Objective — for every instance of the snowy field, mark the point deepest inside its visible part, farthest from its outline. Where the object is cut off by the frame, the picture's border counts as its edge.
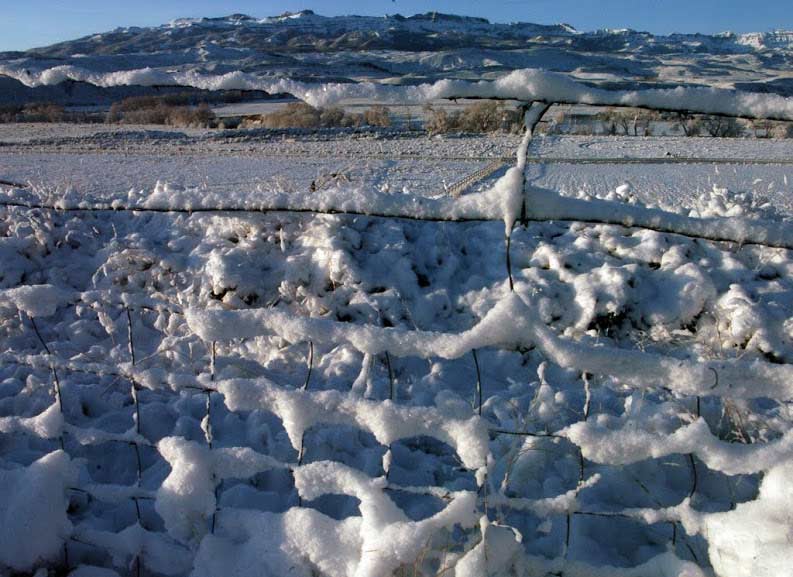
(290, 393)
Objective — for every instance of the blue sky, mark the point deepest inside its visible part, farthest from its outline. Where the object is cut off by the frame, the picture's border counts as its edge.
(25, 24)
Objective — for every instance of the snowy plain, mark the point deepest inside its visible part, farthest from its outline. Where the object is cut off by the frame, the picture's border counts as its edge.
(309, 394)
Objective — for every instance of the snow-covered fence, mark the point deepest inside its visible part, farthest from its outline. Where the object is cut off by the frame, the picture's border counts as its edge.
(383, 539)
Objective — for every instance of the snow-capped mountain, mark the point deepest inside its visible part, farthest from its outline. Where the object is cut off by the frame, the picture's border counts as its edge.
(307, 31)
(424, 47)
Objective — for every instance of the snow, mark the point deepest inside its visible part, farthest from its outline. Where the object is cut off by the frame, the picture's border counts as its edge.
(754, 539)
(509, 324)
(47, 425)
(133, 543)
(299, 410)
(88, 571)
(34, 300)
(633, 381)
(523, 85)
(186, 498)
(631, 444)
(33, 520)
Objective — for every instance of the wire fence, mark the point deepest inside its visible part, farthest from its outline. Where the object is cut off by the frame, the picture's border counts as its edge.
(469, 437)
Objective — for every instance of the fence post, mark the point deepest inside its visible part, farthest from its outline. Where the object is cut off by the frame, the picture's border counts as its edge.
(302, 452)
(478, 384)
(55, 380)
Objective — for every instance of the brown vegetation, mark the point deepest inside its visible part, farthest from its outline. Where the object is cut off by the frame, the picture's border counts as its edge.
(159, 110)
(35, 112)
(302, 115)
(485, 116)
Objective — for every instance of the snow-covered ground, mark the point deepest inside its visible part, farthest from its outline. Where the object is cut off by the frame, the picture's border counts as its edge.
(625, 411)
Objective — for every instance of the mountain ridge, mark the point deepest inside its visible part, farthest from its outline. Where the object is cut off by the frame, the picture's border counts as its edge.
(307, 30)
(420, 48)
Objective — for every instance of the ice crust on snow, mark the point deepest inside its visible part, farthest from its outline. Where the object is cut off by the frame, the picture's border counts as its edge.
(33, 520)
(291, 543)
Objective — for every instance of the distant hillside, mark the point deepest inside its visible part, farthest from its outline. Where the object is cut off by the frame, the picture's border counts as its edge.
(425, 47)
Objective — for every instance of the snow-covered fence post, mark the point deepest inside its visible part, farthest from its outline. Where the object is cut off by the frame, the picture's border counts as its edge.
(206, 426)
(134, 391)
(532, 114)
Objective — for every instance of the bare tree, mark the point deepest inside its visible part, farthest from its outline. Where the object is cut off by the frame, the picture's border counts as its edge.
(689, 124)
(722, 126)
(623, 121)
(763, 128)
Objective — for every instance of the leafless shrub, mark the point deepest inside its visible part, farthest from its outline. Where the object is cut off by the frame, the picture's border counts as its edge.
(689, 124)
(335, 117)
(377, 115)
(485, 116)
(783, 130)
(155, 110)
(627, 122)
(438, 120)
(44, 112)
(330, 117)
(623, 121)
(35, 112)
(488, 116)
(302, 115)
(293, 115)
(199, 116)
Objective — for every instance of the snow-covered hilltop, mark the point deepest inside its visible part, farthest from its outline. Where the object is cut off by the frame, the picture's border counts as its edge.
(306, 30)
(395, 49)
